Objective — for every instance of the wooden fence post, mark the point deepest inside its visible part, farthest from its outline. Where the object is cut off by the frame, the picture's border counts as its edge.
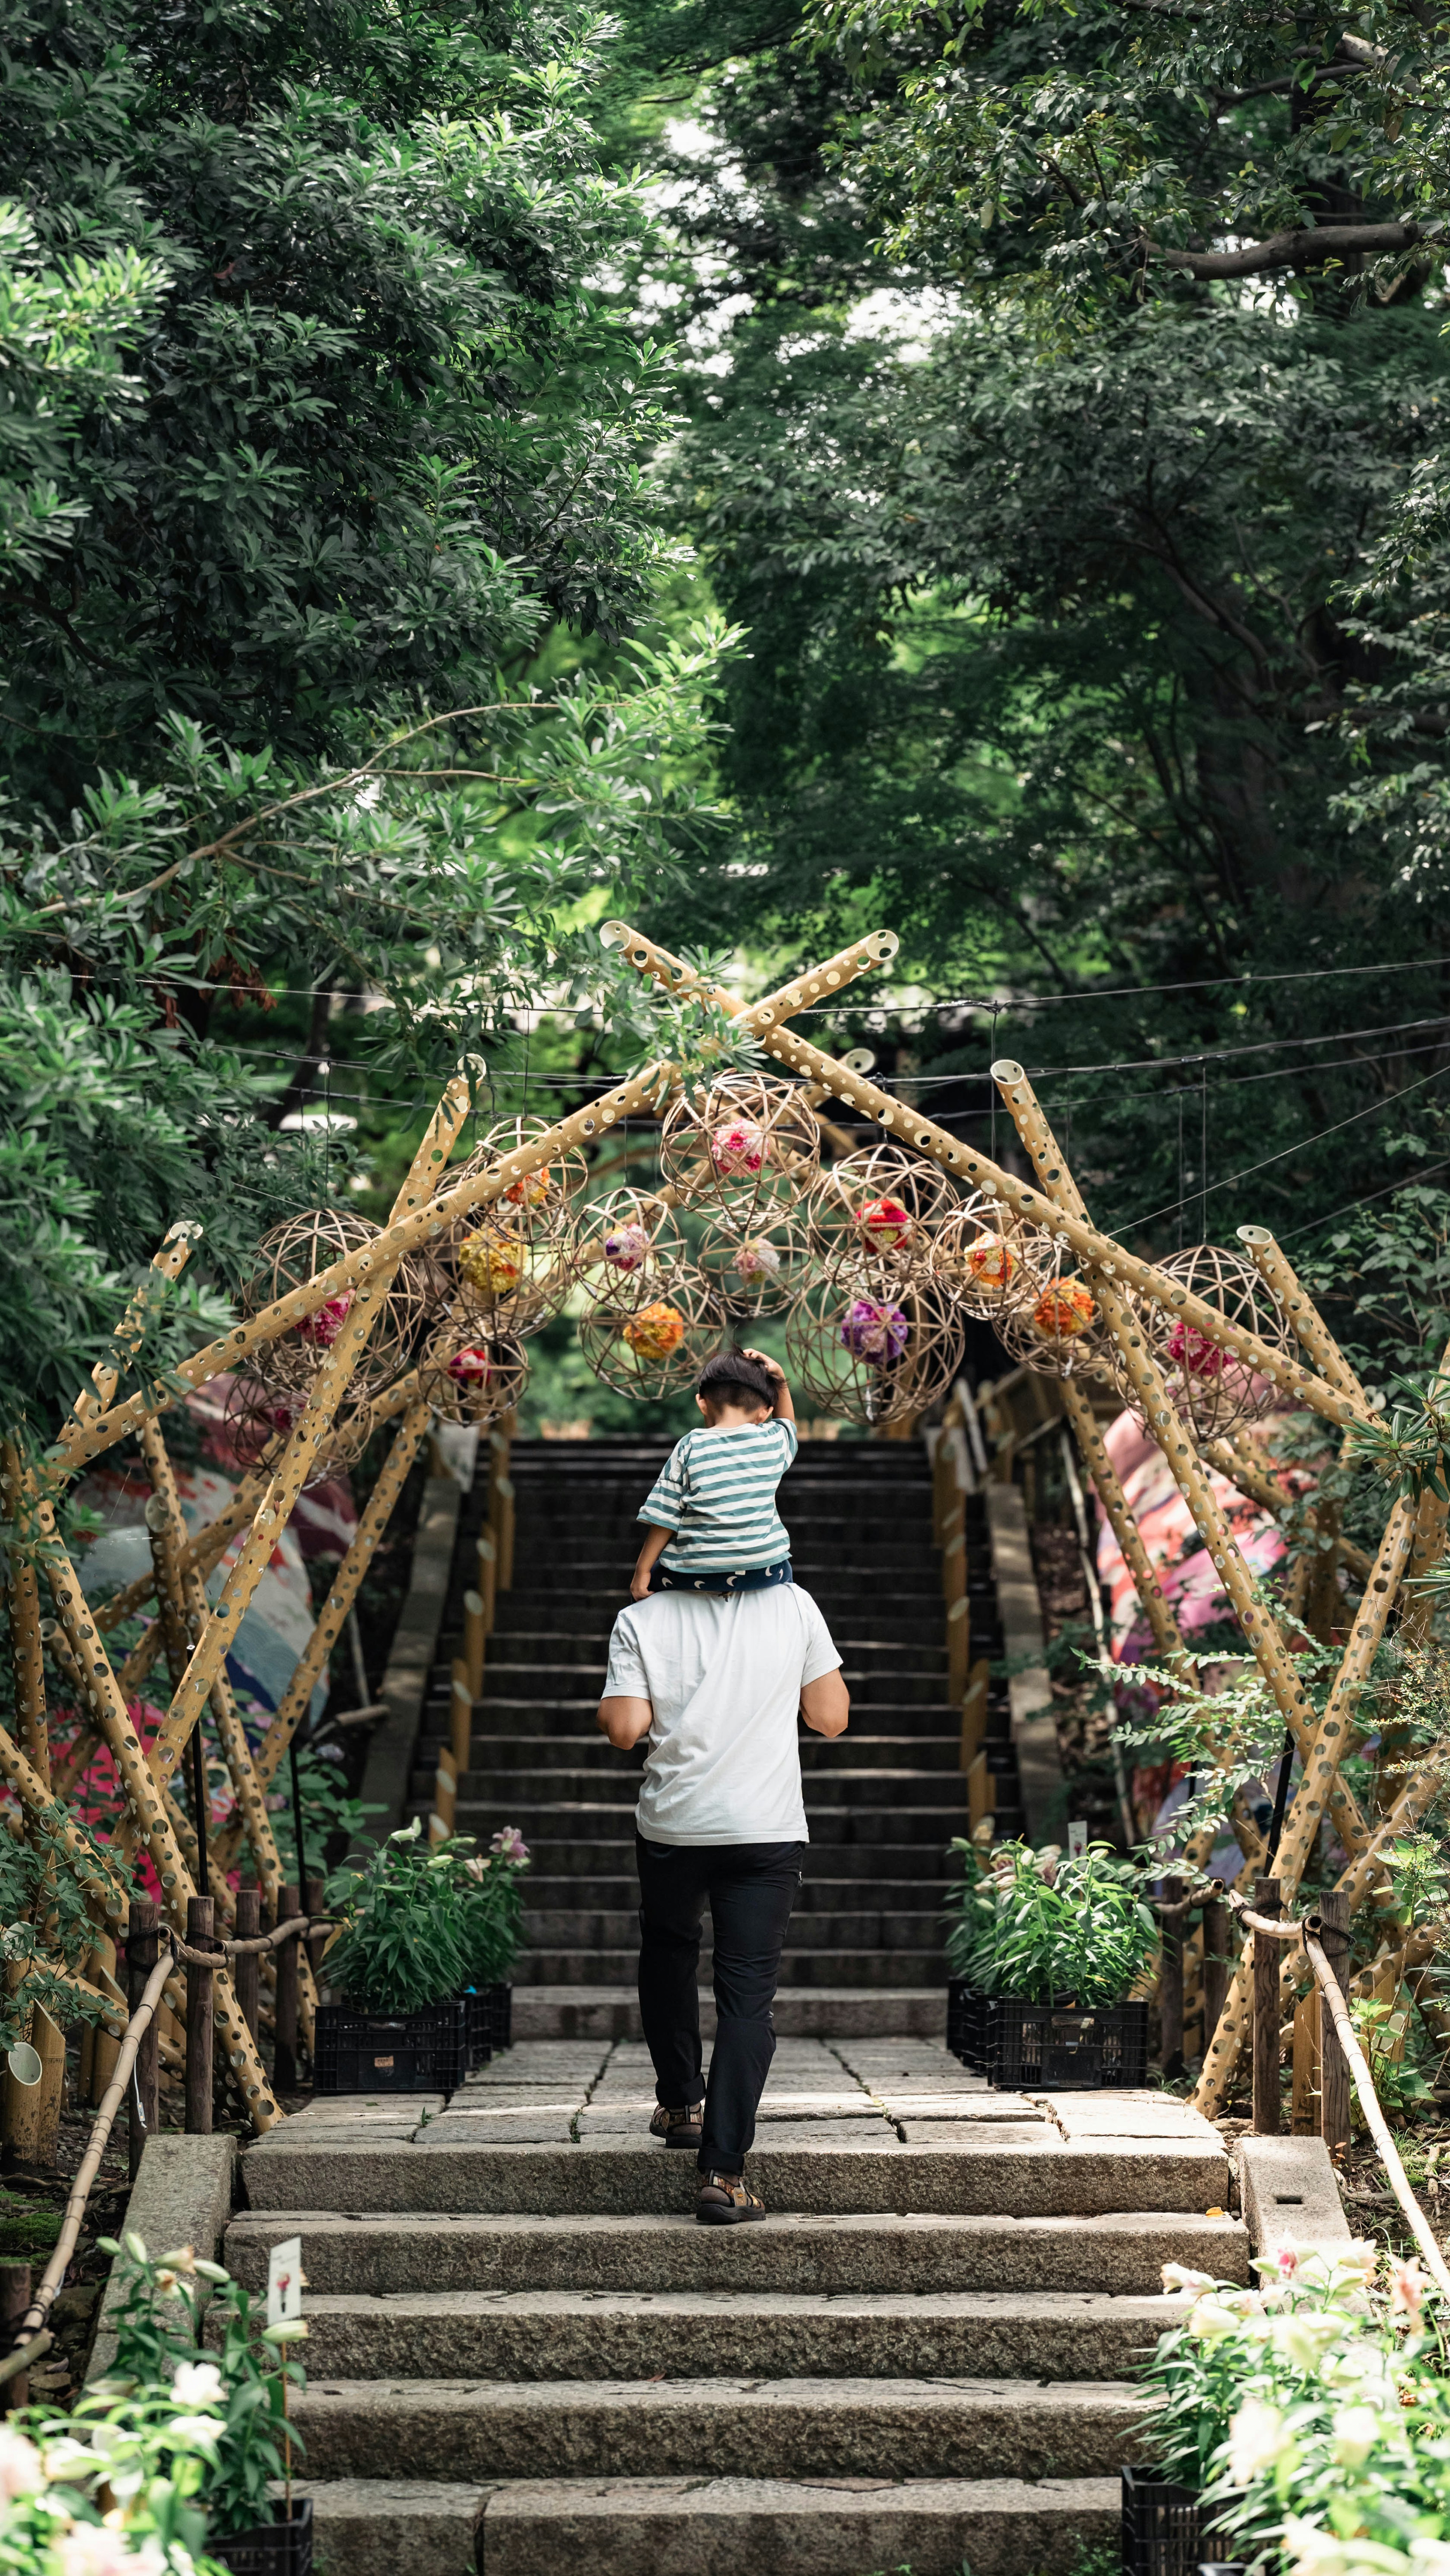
(461, 1718)
(474, 1633)
(284, 2027)
(141, 1954)
(1170, 1981)
(316, 1941)
(487, 1577)
(247, 1969)
(1267, 2116)
(1333, 1912)
(1216, 1964)
(200, 2027)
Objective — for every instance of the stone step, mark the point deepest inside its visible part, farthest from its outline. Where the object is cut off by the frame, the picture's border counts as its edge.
(596, 1927)
(870, 1968)
(511, 1754)
(566, 1684)
(1016, 2171)
(515, 1785)
(1120, 2255)
(560, 1861)
(370, 2526)
(484, 2336)
(595, 1818)
(818, 2526)
(586, 1614)
(616, 1894)
(612, 2012)
(740, 2427)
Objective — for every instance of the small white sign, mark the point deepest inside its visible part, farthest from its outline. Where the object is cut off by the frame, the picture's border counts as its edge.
(457, 1447)
(1076, 1837)
(284, 2282)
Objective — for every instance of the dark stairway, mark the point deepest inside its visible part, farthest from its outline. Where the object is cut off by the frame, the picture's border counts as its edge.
(881, 1802)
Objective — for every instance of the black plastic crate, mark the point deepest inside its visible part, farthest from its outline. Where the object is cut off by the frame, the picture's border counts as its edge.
(280, 2548)
(1165, 2529)
(490, 2022)
(417, 2052)
(1047, 2048)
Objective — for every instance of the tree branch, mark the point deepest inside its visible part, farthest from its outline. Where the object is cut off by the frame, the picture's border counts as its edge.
(1306, 249)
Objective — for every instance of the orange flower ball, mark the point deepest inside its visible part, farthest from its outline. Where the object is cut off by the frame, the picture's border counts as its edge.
(992, 1265)
(655, 1331)
(1064, 1310)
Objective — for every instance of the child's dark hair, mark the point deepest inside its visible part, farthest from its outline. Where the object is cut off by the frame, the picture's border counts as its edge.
(729, 1376)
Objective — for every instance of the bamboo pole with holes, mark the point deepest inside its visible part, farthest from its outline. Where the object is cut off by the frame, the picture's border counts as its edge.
(86, 1436)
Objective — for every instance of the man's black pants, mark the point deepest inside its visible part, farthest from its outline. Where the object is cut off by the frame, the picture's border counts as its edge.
(751, 1888)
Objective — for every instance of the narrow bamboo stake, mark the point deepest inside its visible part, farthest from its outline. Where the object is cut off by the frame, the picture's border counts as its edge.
(83, 1439)
(141, 1960)
(199, 2020)
(1430, 1526)
(167, 1264)
(1333, 2065)
(1167, 1636)
(1264, 1952)
(26, 1650)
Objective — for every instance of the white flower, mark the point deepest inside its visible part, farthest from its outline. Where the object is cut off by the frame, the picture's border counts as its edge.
(1304, 2339)
(194, 2432)
(21, 2472)
(197, 2383)
(1209, 2320)
(68, 2461)
(1313, 2551)
(1255, 2439)
(1430, 2557)
(1356, 2430)
(89, 2549)
(1180, 2276)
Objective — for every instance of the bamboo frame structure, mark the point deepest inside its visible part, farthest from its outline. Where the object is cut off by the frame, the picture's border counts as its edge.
(196, 1634)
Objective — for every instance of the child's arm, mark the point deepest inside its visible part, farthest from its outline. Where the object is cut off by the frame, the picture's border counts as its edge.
(655, 1543)
(784, 1407)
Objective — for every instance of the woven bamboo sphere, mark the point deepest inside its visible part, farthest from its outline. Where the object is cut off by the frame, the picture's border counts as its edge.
(759, 1268)
(467, 1378)
(1208, 1388)
(866, 1346)
(990, 1259)
(261, 1417)
(626, 1248)
(507, 1262)
(739, 1145)
(659, 1347)
(1054, 1324)
(292, 1254)
(884, 1205)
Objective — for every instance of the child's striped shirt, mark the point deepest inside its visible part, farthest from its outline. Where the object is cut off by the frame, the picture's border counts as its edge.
(716, 1491)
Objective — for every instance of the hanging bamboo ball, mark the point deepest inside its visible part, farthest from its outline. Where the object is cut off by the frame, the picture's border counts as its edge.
(657, 1348)
(625, 1248)
(292, 1254)
(743, 1141)
(1210, 1390)
(1050, 1320)
(507, 1263)
(759, 1267)
(884, 1204)
(260, 1417)
(870, 1347)
(990, 1259)
(467, 1378)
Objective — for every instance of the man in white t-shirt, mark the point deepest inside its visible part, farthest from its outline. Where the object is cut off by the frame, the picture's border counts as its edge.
(715, 1680)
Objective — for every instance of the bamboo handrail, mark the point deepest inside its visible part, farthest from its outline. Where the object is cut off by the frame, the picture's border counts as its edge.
(1375, 2120)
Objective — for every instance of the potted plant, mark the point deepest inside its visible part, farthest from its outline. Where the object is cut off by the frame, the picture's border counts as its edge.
(493, 1929)
(400, 1962)
(1044, 1950)
(234, 2395)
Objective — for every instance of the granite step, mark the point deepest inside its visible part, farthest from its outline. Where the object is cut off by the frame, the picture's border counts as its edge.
(910, 2254)
(867, 1967)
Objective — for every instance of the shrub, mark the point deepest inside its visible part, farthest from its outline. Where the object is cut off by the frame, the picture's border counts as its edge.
(403, 1943)
(1049, 1929)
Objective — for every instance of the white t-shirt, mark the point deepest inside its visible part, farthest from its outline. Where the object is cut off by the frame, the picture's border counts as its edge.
(723, 1673)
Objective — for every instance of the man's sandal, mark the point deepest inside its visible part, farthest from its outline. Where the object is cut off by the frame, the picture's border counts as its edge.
(680, 2128)
(725, 2202)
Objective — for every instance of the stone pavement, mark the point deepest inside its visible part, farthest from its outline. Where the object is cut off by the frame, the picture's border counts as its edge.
(522, 2344)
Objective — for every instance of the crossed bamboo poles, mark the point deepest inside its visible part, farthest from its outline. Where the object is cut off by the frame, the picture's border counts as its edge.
(195, 1635)
(1328, 1387)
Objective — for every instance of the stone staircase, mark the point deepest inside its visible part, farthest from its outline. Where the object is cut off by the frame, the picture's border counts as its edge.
(882, 1803)
(524, 2353)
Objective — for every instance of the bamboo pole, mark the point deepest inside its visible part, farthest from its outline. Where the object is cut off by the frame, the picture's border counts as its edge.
(27, 1652)
(1305, 1320)
(148, 1808)
(1260, 1485)
(166, 1265)
(81, 1439)
(1277, 1665)
(1167, 1636)
(202, 1552)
